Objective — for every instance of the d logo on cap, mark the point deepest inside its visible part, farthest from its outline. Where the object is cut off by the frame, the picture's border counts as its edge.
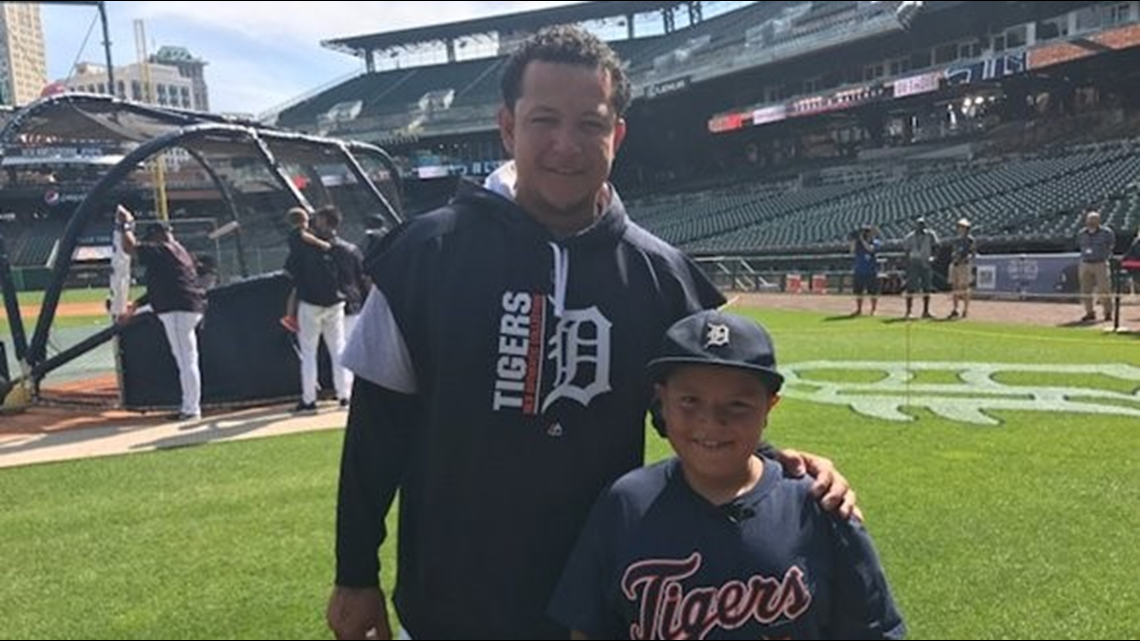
(717, 336)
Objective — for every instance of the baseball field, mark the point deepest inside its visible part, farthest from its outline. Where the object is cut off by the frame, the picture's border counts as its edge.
(998, 465)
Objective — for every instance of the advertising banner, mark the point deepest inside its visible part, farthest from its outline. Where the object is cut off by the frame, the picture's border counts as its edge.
(1027, 275)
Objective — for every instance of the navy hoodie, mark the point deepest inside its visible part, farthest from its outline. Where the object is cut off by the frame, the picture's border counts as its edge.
(501, 387)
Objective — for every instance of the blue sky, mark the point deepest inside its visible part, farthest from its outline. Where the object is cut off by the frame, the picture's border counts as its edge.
(260, 54)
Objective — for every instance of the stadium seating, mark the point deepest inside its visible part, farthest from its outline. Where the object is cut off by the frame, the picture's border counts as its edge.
(391, 100)
(1029, 197)
(406, 89)
(31, 243)
(715, 33)
(306, 114)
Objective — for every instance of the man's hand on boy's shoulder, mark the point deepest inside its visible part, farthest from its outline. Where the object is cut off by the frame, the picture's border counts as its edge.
(830, 487)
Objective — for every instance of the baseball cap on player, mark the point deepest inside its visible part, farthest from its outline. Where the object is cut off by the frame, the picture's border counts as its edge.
(711, 337)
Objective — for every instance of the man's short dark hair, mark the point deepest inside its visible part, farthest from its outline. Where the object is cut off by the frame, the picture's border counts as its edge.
(155, 229)
(331, 215)
(565, 45)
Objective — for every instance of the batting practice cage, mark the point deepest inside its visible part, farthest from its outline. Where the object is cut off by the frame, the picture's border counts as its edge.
(224, 187)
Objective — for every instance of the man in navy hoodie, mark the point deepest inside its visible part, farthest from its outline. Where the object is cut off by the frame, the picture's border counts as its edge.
(500, 367)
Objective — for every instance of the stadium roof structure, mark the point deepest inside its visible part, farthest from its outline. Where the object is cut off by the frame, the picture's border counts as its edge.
(85, 116)
(81, 118)
(144, 131)
(530, 20)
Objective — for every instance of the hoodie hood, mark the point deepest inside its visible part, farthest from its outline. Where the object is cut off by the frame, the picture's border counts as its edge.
(496, 198)
(502, 180)
(497, 194)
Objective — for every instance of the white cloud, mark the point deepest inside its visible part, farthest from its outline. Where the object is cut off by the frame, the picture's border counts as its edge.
(238, 86)
(259, 55)
(314, 21)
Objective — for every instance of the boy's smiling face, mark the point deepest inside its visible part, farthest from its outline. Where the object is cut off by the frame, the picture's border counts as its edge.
(715, 417)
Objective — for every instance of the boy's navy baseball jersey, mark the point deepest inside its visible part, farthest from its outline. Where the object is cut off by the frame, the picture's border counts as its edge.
(658, 561)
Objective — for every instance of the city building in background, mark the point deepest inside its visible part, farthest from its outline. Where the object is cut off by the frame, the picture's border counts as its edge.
(189, 67)
(176, 77)
(23, 64)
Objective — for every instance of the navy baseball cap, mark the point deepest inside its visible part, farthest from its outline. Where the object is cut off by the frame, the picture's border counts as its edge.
(711, 337)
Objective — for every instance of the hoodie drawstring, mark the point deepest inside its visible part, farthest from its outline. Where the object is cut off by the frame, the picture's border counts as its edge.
(561, 275)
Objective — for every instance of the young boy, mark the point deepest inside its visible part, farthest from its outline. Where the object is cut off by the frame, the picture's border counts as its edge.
(716, 542)
(299, 236)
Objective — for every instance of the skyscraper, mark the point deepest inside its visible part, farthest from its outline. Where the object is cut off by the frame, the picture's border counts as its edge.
(23, 64)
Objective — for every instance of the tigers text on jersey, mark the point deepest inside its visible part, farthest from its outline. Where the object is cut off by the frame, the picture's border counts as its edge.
(657, 561)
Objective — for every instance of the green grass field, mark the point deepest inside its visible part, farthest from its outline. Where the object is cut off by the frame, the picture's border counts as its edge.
(1026, 528)
(90, 295)
(66, 330)
(67, 296)
(74, 327)
(93, 323)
